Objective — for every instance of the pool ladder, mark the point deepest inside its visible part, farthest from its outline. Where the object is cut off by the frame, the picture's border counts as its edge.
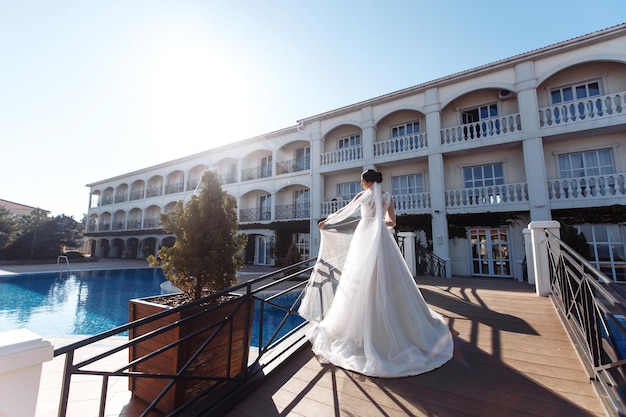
(67, 263)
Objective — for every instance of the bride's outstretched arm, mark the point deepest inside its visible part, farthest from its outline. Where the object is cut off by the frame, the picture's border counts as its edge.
(340, 213)
(390, 218)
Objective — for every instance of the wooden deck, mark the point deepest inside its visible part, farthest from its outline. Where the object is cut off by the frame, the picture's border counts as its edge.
(512, 358)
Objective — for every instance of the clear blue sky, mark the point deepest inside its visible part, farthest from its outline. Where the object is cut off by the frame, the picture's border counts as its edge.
(93, 89)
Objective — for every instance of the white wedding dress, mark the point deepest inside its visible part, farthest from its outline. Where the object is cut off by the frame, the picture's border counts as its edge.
(368, 314)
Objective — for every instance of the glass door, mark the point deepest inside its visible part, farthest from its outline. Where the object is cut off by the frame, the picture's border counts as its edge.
(490, 252)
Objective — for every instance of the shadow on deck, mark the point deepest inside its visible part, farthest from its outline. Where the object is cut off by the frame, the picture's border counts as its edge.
(512, 358)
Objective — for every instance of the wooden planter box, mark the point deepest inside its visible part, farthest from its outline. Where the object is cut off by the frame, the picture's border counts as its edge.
(213, 361)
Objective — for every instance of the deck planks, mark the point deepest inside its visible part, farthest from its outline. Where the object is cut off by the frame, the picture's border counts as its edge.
(512, 358)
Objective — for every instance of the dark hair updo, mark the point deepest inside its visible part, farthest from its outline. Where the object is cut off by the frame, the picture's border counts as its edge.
(372, 176)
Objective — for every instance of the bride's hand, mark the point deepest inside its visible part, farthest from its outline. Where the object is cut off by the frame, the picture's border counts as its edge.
(321, 225)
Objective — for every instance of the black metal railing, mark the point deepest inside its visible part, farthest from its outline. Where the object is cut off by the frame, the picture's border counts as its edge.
(293, 211)
(592, 308)
(427, 263)
(272, 341)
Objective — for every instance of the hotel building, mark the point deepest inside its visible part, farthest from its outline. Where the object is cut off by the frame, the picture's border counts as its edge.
(470, 159)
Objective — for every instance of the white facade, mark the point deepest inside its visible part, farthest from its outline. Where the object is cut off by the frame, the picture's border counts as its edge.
(470, 158)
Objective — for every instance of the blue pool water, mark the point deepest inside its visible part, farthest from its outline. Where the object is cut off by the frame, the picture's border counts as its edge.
(59, 304)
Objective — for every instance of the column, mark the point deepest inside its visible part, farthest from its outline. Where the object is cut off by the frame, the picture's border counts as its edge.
(541, 265)
(368, 133)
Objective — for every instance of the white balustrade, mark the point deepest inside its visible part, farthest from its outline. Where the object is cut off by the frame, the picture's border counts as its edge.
(489, 128)
(401, 144)
(581, 110)
(487, 196)
(601, 186)
(341, 155)
(411, 203)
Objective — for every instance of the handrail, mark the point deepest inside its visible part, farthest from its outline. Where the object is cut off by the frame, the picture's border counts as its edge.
(67, 262)
(262, 291)
(428, 263)
(591, 306)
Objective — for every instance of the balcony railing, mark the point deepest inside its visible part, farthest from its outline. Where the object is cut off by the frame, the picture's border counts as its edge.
(294, 165)
(118, 225)
(121, 198)
(136, 195)
(487, 196)
(341, 155)
(489, 128)
(192, 184)
(151, 223)
(256, 173)
(229, 178)
(399, 145)
(107, 201)
(581, 110)
(411, 203)
(293, 211)
(154, 192)
(254, 215)
(133, 224)
(596, 187)
(178, 187)
(329, 207)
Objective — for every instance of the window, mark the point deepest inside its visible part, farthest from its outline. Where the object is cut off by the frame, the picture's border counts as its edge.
(301, 199)
(575, 92)
(348, 190)
(266, 166)
(585, 164)
(265, 207)
(408, 184)
(302, 243)
(483, 176)
(303, 159)
(479, 113)
(608, 248)
(349, 142)
(405, 129)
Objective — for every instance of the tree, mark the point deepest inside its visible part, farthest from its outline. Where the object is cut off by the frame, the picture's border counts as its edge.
(41, 237)
(8, 227)
(207, 251)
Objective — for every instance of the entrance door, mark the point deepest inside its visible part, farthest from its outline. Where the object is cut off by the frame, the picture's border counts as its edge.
(262, 250)
(490, 252)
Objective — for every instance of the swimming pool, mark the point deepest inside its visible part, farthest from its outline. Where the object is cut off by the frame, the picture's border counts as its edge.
(84, 303)
(56, 304)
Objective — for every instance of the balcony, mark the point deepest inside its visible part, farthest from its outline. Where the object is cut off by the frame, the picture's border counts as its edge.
(133, 224)
(151, 223)
(136, 195)
(293, 212)
(341, 156)
(402, 144)
(263, 171)
(254, 215)
(229, 178)
(586, 109)
(411, 203)
(121, 198)
(488, 197)
(490, 128)
(602, 187)
(294, 165)
(177, 187)
(329, 207)
(154, 192)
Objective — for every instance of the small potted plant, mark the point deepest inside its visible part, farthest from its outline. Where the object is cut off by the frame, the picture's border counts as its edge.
(203, 261)
(292, 257)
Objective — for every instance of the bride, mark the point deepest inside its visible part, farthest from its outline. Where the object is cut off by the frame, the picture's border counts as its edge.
(368, 314)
